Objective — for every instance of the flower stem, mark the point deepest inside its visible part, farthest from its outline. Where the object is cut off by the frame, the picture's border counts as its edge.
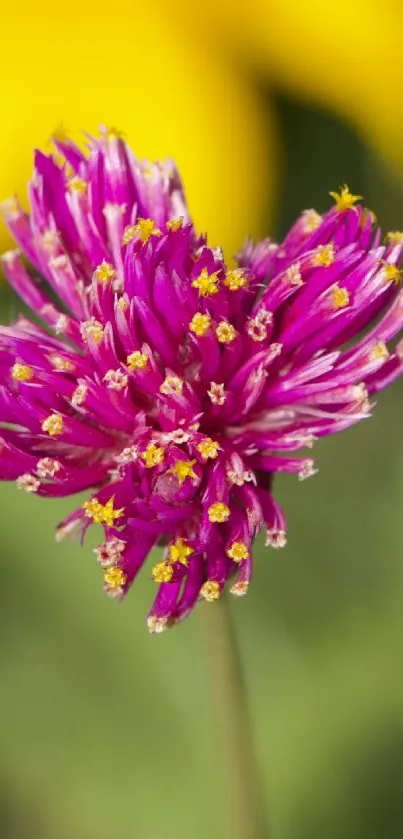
(245, 801)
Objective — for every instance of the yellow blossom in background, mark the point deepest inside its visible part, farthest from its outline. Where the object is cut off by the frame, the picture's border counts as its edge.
(346, 57)
(170, 93)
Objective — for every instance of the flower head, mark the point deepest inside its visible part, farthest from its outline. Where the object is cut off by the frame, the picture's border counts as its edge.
(183, 386)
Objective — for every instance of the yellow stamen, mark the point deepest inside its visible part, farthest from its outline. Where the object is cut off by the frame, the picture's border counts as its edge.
(111, 132)
(10, 209)
(218, 512)
(92, 329)
(178, 435)
(238, 551)
(200, 324)
(153, 455)
(109, 552)
(143, 230)
(172, 384)
(9, 257)
(324, 255)
(307, 470)
(105, 273)
(210, 591)
(236, 279)
(379, 352)
(61, 262)
(79, 395)
(158, 625)
(256, 330)
(28, 483)
(162, 572)
(50, 240)
(102, 513)
(174, 224)
(128, 455)
(217, 393)
(293, 275)
(113, 212)
(340, 297)
(264, 316)
(392, 273)
(275, 538)
(61, 363)
(239, 478)
(137, 361)
(225, 332)
(115, 379)
(129, 233)
(149, 170)
(53, 425)
(183, 469)
(344, 199)
(208, 448)
(61, 325)
(206, 284)
(21, 372)
(114, 578)
(179, 551)
(76, 184)
(240, 588)
(395, 237)
(312, 220)
(47, 467)
(123, 304)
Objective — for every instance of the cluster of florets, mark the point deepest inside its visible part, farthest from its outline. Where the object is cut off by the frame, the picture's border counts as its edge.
(171, 384)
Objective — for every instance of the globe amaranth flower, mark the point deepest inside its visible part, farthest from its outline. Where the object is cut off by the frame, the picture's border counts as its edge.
(173, 385)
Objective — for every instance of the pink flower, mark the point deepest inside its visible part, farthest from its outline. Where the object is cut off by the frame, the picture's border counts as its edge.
(171, 384)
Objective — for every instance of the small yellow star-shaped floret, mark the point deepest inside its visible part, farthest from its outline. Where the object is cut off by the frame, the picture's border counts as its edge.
(179, 551)
(102, 513)
(174, 224)
(153, 455)
(225, 332)
(238, 551)
(105, 273)
(210, 590)
(344, 199)
(394, 237)
(206, 284)
(21, 373)
(379, 352)
(340, 297)
(236, 279)
(208, 448)
(392, 272)
(200, 324)
(53, 425)
(324, 255)
(143, 230)
(183, 469)
(76, 184)
(162, 572)
(218, 512)
(114, 579)
(137, 361)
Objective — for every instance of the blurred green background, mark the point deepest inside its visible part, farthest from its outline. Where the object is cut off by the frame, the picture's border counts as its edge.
(107, 731)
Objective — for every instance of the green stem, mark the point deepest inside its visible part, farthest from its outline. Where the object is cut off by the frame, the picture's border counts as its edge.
(245, 802)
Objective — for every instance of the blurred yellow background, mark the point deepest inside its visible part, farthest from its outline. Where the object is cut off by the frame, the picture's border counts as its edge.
(173, 95)
(105, 730)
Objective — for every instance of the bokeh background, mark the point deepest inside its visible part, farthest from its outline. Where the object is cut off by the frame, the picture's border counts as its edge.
(104, 730)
